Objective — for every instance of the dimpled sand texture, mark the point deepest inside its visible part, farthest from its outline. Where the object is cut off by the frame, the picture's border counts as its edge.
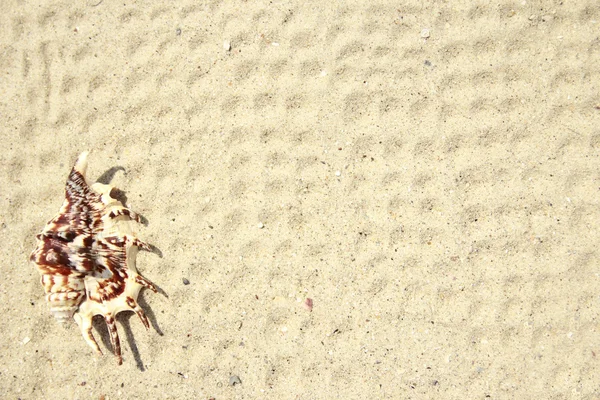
(428, 176)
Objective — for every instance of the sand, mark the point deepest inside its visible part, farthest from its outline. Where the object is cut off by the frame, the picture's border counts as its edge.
(427, 175)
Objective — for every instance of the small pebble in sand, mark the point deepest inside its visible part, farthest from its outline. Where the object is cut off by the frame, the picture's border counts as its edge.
(234, 380)
(185, 281)
(338, 173)
(227, 45)
(26, 340)
(261, 225)
(425, 33)
(308, 304)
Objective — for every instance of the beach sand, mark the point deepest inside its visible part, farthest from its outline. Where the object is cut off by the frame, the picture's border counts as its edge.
(427, 175)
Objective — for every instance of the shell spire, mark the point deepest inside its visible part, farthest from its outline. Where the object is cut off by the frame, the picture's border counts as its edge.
(81, 163)
(86, 257)
(77, 188)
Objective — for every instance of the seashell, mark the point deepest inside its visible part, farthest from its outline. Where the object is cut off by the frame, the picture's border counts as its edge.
(86, 257)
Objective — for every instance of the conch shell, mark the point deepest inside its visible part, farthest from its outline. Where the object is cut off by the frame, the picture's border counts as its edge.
(86, 256)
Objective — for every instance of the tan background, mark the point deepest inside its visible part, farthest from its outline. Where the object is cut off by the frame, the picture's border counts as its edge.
(454, 254)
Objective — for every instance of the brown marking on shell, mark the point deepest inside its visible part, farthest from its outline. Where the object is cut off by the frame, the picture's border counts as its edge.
(86, 257)
(125, 212)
